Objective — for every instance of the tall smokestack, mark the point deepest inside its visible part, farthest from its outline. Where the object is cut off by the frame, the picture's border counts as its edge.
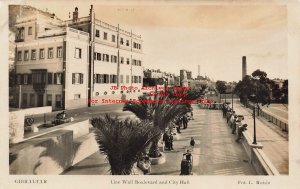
(244, 67)
(198, 70)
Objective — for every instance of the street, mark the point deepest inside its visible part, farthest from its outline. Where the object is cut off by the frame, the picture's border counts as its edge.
(215, 151)
(275, 141)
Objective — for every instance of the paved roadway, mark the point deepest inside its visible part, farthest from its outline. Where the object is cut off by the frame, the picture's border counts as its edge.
(275, 141)
(215, 152)
(280, 110)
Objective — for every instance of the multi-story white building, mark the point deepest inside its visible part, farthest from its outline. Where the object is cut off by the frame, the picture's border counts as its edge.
(74, 63)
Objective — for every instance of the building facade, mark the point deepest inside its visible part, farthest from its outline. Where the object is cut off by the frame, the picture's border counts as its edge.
(74, 63)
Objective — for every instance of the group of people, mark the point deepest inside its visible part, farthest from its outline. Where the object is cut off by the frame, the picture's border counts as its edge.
(234, 121)
(182, 121)
(168, 140)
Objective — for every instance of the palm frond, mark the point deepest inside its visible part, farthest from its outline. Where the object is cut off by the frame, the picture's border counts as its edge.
(123, 141)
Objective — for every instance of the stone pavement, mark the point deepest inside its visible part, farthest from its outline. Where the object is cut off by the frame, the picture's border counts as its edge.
(274, 140)
(215, 152)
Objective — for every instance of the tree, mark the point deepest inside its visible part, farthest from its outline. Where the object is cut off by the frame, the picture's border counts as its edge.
(161, 113)
(221, 86)
(256, 88)
(285, 91)
(123, 141)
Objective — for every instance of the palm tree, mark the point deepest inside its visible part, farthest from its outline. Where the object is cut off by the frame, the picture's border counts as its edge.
(123, 141)
(161, 112)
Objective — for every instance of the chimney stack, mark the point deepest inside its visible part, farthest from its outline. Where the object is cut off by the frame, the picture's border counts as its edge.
(244, 67)
(75, 15)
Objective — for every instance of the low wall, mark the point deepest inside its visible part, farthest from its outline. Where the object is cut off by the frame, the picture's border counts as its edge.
(47, 154)
(282, 123)
(258, 159)
(54, 151)
(16, 126)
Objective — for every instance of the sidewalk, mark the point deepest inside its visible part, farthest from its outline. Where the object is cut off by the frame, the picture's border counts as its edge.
(215, 152)
(275, 141)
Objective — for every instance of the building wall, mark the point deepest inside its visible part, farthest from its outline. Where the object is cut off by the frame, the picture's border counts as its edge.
(53, 65)
(45, 34)
(76, 94)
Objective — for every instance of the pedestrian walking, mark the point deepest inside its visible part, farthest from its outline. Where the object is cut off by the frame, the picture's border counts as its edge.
(192, 115)
(234, 124)
(232, 117)
(228, 115)
(171, 141)
(185, 121)
(178, 122)
(192, 142)
(166, 141)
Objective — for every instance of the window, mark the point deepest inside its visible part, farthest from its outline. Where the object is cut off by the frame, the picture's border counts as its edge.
(133, 62)
(127, 60)
(29, 81)
(59, 52)
(77, 53)
(19, 55)
(24, 99)
(50, 78)
(113, 78)
(25, 79)
(18, 79)
(58, 101)
(49, 100)
(113, 59)
(33, 54)
(50, 52)
(113, 38)
(26, 55)
(121, 41)
(98, 56)
(105, 35)
(122, 60)
(121, 79)
(105, 57)
(136, 79)
(140, 79)
(77, 78)
(38, 78)
(20, 34)
(127, 78)
(99, 78)
(31, 100)
(97, 33)
(30, 30)
(58, 78)
(127, 42)
(76, 96)
(106, 78)
(42, 53)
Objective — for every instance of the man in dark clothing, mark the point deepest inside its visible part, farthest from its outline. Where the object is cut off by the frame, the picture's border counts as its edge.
(241, 129)
(185, 121)
(170, 139)
(178, 123)
(165, 139)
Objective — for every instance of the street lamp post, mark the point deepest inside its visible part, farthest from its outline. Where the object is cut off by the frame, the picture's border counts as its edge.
(254, 124)
(232, 99)
(254, 134)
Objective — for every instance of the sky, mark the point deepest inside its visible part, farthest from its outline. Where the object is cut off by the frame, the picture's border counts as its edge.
(214, 36)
